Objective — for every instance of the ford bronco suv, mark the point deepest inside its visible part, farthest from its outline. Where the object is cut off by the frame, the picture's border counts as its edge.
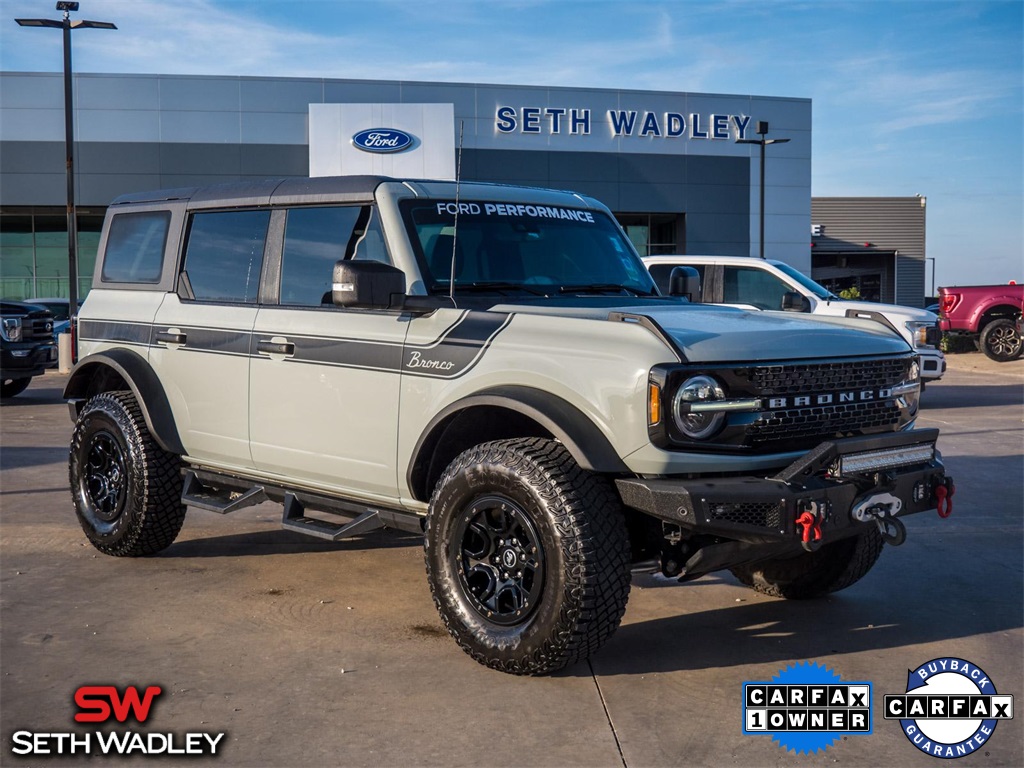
(494, 367)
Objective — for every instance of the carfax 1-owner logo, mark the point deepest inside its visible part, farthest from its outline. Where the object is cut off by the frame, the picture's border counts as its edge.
(108, 708)
(950, 708)
(806, 707)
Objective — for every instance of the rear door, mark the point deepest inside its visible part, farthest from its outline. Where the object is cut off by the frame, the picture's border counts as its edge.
(202, 334)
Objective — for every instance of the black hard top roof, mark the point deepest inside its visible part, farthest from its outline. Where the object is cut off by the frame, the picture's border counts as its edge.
(261, 191)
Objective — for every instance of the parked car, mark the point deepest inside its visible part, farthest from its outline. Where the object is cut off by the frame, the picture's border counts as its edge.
(741, 281)
(27, 348)
(988, 313)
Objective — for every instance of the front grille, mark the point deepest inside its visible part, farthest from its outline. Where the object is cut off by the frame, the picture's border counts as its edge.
(822, 421)
(803, 379)
(35, 329)
(756, 514)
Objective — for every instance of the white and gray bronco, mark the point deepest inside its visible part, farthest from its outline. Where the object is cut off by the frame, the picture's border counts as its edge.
(492, 366)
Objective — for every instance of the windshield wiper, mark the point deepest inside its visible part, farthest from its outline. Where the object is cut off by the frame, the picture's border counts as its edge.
(483, 286)
(602, 288)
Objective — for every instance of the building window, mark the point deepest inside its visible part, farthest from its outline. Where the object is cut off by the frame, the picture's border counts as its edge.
(653, 234)
(34, 251)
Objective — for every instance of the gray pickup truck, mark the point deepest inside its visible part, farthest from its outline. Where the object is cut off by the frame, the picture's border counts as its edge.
(492, 366)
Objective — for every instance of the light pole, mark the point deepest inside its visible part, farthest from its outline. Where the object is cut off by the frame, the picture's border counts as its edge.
(762, 131)
(66, 25)
(932, 260)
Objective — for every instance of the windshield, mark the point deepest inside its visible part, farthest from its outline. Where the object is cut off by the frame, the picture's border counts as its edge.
(819, 291)
(535, 249)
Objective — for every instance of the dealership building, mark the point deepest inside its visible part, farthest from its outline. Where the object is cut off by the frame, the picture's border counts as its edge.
(670, 165)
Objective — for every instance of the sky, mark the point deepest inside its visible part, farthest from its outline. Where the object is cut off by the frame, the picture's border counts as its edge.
(908, 97)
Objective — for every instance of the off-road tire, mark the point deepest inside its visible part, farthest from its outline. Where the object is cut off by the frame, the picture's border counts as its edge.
(13, 387)
(834, 567)
(126, 489)
(574, 517)
(1000, 341)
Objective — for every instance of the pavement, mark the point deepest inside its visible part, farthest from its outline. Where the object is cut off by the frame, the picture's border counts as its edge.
(309, 653)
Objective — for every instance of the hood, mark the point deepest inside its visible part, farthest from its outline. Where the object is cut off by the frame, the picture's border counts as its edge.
(908, 314)
(711, 334)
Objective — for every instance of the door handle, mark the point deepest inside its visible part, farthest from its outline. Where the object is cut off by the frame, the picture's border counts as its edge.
(270, 347)
(171, 337)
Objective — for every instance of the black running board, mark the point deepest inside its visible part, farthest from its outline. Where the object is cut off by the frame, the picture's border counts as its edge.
(224, 493)
(195, 494)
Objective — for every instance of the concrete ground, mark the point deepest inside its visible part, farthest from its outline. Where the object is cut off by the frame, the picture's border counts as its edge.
(310, 653)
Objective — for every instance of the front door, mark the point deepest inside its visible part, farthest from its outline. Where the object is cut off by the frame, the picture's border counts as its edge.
(324, 381)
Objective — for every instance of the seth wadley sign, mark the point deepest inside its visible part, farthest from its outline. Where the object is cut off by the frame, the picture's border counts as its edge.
(623, 122)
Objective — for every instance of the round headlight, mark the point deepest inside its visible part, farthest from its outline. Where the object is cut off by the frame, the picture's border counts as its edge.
(693, 422)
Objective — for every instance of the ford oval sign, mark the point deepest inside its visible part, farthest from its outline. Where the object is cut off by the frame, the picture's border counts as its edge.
(382, 140)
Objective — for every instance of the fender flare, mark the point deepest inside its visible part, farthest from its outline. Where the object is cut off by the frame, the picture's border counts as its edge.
(568, 424)
(140, 378)
(1002, 300)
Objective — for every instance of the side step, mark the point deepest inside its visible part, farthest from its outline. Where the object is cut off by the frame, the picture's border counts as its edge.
(195, 494)
(294, 519)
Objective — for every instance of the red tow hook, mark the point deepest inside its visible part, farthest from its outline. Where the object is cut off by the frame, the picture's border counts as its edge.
(811, 524)
(944, 498)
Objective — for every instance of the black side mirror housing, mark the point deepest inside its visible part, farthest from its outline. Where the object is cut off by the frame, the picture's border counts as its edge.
(684, 281)
(795, 302)
(367, 285)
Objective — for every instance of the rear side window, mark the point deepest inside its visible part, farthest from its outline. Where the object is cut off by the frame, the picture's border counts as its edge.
(224, 255)
(135, 247)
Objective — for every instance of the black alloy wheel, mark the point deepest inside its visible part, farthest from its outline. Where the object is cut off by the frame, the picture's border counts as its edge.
(126, 488)
(527, 556)
(500, 560)
(105, 477)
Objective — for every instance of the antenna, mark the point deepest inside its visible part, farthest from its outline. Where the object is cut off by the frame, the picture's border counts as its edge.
(455, 228)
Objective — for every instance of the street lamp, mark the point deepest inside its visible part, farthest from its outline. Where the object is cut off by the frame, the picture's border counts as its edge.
(762, 131)
(66, 24)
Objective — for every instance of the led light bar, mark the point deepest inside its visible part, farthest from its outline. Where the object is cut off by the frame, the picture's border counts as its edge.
(890, 458)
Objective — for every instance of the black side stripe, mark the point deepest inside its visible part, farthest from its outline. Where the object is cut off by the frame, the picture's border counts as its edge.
(454, 353)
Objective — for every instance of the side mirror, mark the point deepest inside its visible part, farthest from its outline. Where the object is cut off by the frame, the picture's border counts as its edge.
(795, 302)
(684, 281)
(367, 285)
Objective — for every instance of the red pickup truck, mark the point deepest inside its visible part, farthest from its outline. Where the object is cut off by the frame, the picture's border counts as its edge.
(987, 312)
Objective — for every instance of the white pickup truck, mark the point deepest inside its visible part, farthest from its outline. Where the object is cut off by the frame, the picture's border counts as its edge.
(742, 281)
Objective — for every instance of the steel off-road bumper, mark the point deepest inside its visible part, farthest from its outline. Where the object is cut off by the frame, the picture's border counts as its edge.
(829, 493)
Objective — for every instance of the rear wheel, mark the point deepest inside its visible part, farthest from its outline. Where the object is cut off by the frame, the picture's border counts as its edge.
(126, 489)
(834, 567)
(1000, 340)
(12, 387)
(527, 556)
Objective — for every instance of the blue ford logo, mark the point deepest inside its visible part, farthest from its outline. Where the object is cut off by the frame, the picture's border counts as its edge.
(382, 140)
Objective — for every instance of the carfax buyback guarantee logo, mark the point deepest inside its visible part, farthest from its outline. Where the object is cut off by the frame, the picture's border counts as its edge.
(806, 707)
(950, 708)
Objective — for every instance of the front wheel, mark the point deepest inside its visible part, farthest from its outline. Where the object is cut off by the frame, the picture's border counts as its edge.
(13, 387)
(527, 556)
(1000, 341)
(126, 489)
(834, 567)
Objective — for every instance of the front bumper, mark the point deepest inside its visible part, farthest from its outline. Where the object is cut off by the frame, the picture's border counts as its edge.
(21, 360)
(837, 482)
